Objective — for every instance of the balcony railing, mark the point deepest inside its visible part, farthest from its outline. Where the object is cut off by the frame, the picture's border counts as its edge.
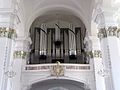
(46, 67)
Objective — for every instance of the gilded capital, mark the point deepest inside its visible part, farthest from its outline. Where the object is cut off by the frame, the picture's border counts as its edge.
(7, 32)
(102, 33)
(20, 54)
(94, 54)
(110, 31)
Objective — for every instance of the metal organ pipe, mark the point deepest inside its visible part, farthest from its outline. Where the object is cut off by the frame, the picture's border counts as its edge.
(57, 40)
(72, 42)
(57, 43)
(57, 33)
(43, 40)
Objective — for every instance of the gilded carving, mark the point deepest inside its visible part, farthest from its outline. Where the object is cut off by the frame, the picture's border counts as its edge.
(110, 31)
(97, 53)
(7, 32)
(89, 54)
(102, 33)
(57, 70)
(20, 54)
(118, 32)
(94, 54)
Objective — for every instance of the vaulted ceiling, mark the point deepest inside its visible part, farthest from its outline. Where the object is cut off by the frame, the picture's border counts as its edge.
(81, 9)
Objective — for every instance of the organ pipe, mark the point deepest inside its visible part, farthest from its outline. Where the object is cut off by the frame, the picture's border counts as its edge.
(43, 40)
(57, 33)
(46, 50)
(72, 42)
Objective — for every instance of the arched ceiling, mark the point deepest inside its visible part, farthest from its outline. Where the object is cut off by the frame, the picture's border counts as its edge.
(82, 9)
(58, 16)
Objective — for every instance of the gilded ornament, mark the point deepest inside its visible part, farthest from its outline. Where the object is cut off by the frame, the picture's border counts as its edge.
(57, 70)
(20, 54)
(7, 32)
(94, 54)
(110, 31)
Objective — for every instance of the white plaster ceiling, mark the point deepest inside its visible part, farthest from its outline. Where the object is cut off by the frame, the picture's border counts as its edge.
(82, 9)
(59, 16)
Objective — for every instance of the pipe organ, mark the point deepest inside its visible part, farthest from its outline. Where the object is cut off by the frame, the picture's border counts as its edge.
(57, 44)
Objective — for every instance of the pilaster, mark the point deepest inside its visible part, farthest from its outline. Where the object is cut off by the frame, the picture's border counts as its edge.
(10, 26)
(96, 55)
(111, 43)
(105, 22)
(21, 54)
(7, 37)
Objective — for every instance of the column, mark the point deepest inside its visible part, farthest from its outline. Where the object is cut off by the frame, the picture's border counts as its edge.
(21, 54)
(103, 19)
(89, 60)
(7, 36)
(106, 58)
(111, 38)
(6, 47)
(96, 56)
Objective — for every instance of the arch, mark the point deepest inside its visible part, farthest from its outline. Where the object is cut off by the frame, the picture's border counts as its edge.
(44, 10)
(60, 78)
(86, 85)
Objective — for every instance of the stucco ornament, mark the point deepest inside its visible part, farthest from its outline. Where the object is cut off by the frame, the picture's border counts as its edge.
(10, 73)
(8, 32)
(20, 54)
(104, 72)
(57, 70)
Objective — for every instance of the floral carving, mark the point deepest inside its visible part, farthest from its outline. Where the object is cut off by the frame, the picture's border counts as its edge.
(110, 31)
(94, 54)
(7, 32)
(20, 54)
(58, 70)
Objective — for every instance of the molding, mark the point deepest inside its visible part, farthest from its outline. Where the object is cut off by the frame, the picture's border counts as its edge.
(8, 32)
(110, 31)
(6, 11)
(20, 55)
(94, 54)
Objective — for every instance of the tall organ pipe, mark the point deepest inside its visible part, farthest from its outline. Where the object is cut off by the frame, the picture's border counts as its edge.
(43, 40)
(57, 33)
(72, 42)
